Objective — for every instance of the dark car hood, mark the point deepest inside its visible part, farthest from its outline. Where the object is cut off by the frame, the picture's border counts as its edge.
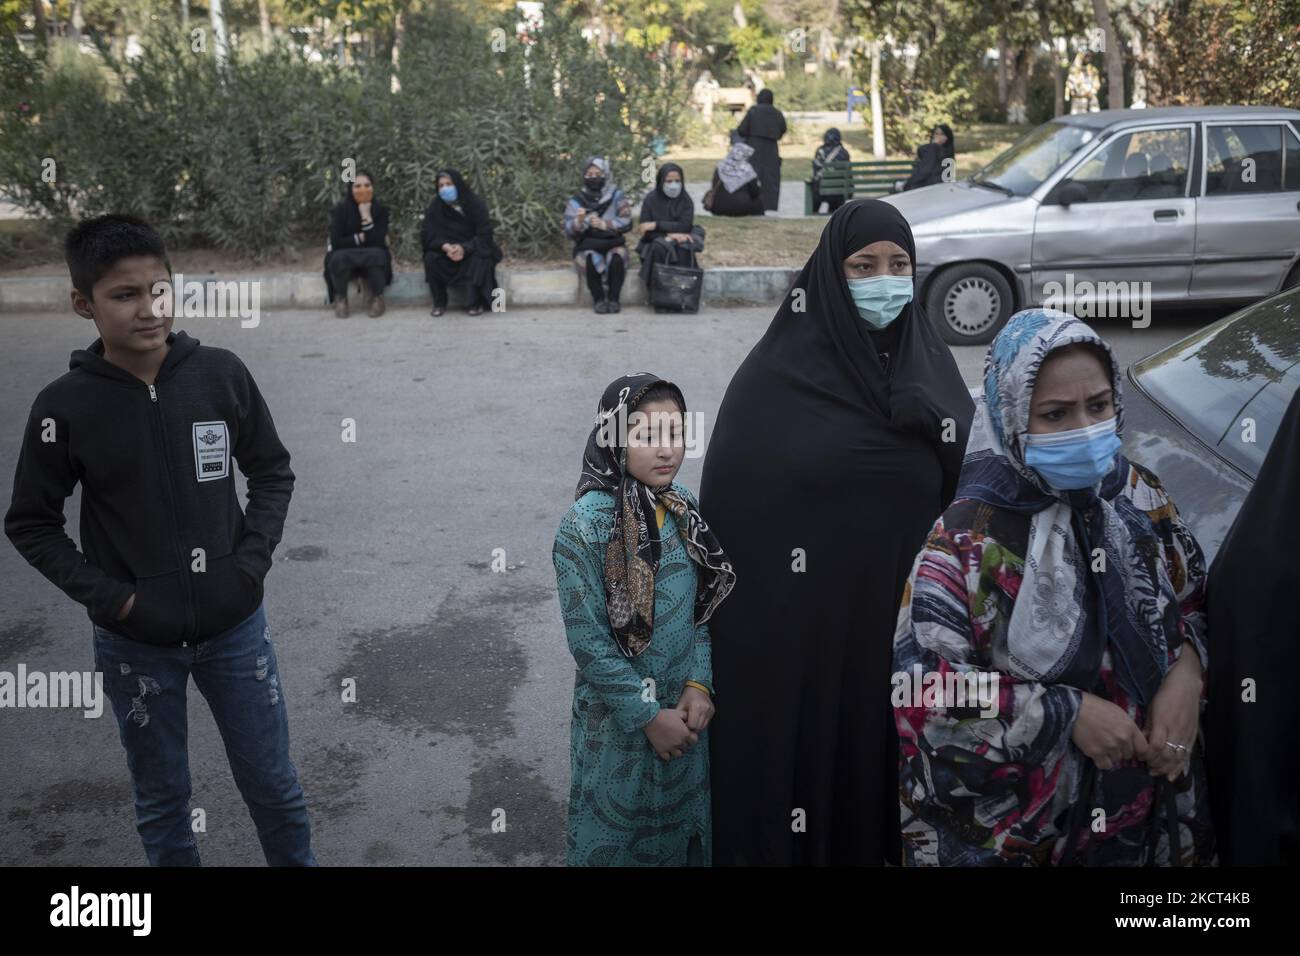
(1207, 491)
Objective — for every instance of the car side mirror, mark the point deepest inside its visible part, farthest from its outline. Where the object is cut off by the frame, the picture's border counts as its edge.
(1071, 193)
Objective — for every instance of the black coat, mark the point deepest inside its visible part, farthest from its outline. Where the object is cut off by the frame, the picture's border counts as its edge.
(345, 225)
(1250, 746)
(762, 126)
(668, 215)
(745, 201)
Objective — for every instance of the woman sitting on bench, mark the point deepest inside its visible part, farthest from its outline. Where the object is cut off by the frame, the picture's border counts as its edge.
(830, 151)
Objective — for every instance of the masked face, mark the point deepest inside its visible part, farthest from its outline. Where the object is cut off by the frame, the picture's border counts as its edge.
(880, 298)
(879, 277)
(1071, 441)
(363, 191)
(447, 193)
(594, 184)
(673, 189)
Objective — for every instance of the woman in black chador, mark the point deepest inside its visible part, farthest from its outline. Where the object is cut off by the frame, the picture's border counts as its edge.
(838, 443)
(358, 245)
(669, 233)
(459, 247)
(762, 126)
(929, 168)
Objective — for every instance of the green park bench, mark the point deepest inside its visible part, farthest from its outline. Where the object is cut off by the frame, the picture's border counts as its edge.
(857, 180)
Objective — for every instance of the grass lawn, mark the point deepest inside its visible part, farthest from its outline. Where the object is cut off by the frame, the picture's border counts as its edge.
(977, 144)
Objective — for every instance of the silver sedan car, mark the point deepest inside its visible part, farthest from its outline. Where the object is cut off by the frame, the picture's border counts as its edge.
(1106, 214)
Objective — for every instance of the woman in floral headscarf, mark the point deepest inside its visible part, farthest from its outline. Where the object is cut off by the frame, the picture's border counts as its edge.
(1062, 583)
(639, 573)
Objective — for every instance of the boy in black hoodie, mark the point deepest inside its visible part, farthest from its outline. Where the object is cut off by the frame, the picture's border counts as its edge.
(148, 422)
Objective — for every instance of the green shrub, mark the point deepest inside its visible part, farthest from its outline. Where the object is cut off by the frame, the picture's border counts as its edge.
(251, 156)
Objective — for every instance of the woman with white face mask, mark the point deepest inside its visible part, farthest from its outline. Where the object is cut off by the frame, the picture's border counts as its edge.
(669, 233)
(1062, 577)
(837, 444)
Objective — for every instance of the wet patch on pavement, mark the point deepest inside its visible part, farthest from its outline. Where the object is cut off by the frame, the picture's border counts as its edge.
(454, 674)
(21, 637)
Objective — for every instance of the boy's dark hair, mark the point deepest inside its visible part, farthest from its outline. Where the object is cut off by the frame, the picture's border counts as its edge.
(663, 392)
(93, 245)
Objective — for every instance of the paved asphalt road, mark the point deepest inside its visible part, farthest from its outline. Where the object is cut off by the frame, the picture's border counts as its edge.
(470, 433)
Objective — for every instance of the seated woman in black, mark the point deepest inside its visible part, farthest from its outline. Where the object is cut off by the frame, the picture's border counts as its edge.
(736, 190)
(668, 231)
(929, 168)
(830, 151)
(358, 243)
(458, 244)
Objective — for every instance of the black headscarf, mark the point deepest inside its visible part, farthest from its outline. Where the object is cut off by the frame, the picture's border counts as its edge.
(1250, 750)
(632, 557)
(765, 96)
(823, 475)
(923, 388)
(658, 207)
(454, 217)
(948, 149)
(348, 210)
(462, 221)
(831, 138)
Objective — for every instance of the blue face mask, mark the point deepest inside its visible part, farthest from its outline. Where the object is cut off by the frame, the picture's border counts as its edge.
(447, 193)
(1075, 459)
(880, 298)
(672, 190)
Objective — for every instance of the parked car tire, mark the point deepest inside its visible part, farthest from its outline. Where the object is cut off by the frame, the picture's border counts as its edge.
(969, 303)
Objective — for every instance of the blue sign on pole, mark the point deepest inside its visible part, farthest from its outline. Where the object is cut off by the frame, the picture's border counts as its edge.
(856, 96)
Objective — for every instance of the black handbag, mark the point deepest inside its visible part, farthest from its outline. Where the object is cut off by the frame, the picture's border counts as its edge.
(676, 286)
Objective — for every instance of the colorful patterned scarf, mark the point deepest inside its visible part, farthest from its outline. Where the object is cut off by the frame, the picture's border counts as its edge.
(632, 556)
(1053, 636)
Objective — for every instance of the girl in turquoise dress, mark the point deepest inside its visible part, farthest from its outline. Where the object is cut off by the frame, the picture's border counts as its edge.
(639, 573)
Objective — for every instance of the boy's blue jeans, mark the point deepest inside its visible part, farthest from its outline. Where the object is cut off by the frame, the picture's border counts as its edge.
(236, 672)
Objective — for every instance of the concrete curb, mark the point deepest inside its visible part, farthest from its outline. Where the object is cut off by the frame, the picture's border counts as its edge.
(534, 287)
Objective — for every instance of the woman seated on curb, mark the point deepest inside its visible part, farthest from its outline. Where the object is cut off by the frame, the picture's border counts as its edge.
(669, 234)
(595, 219)
(459, 247)
(735, 190)
(358, 243)
(1062, 582)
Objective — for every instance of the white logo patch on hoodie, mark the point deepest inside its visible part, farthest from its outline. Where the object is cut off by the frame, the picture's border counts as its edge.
(211, 451)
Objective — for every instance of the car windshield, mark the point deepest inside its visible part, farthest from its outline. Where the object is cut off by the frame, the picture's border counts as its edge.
(1230, 383)
(1034, 157)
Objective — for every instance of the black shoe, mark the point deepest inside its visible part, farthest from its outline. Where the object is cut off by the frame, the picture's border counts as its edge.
(614, 306)
(602, 307)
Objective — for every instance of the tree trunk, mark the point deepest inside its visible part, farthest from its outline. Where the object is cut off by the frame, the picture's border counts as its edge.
(1114, 58)
(1018, 93)
(1058, 70)
(76, 21)
(399, 34)
(38, 11)
(185, 15)
(738, 14)
(1002, 66)
(264, 20)
(217, 19)
(1139, 72)
(877, 111)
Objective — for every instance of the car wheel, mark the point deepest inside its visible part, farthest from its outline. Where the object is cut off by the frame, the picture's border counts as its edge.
(969, 304)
